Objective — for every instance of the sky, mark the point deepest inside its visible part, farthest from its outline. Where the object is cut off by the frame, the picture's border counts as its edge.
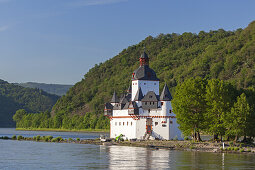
(58, 41)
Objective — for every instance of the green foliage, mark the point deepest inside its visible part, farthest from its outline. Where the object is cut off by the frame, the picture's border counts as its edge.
(237, 120)
(19, 137)
(186, 138)
(236, 149)
(13, 98)
(78, 139)
(14, 137)
(189, 105)
(38, 138)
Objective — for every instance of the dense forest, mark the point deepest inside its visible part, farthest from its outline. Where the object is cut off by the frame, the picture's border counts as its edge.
(223, 55)
(13, 97)
(57, 89)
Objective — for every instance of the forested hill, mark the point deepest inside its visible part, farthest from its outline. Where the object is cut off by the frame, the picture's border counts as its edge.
(13, 97)
(58, 89)
(226, 55)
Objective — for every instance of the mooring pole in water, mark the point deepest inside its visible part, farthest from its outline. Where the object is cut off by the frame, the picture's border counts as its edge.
(223, 145)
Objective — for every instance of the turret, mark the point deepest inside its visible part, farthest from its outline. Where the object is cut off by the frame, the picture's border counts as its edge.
(115, 99)
(165, 99)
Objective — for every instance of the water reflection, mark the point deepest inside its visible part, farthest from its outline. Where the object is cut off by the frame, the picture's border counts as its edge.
(122, 157)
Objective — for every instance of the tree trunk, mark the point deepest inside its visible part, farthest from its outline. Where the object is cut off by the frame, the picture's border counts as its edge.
(236, 138)
(215, 137)
(198, 137)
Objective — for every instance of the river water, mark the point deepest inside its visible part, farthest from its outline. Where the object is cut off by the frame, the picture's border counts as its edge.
(41, 155)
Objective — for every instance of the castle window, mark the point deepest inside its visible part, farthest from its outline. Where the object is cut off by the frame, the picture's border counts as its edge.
(153, 103)
(144, 83)
(131, 123)
(120, 123)
(162, 103)
(164, 125)
(115, 123)
(170, 111)
(150, 96)
(127, 123)
(149, 110)
(155, 83)
(123, 123)
(145, 103)
(156, 123)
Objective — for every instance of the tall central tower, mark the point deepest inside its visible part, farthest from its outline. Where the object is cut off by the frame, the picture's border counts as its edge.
(144, 79)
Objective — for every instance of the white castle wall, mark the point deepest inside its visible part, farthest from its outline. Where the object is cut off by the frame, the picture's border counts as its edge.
(146, 86)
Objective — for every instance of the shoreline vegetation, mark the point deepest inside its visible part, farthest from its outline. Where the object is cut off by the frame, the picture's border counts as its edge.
(63, 130)
(186, 145)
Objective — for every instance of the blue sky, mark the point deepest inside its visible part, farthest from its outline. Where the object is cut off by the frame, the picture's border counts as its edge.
(58, 41)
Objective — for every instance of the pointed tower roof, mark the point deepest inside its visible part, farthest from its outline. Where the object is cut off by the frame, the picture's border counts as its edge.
(139, 95)
(115, 98)
(166, 95)
(144, 55)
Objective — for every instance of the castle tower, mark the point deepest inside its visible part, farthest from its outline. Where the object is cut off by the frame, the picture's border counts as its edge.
(144, 77)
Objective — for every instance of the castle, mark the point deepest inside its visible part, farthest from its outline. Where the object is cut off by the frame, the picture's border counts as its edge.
(143, 113)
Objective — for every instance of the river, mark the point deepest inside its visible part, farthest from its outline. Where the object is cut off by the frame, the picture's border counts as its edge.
(41, 155)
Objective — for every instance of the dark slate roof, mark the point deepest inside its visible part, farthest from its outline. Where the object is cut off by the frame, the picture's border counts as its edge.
(139, 95)
(144, 55)
(126, 105)
(144, 72)
(133, 105)
(123, 100)
(150, 96)
(166, 95)
(115, 98)
(128, 97)
(108, 106)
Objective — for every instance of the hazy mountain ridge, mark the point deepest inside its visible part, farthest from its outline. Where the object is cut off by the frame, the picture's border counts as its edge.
(57, 89)
(13, 97)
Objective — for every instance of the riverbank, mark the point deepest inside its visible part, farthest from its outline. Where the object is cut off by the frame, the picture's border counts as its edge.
(229, 147)
(63, 130)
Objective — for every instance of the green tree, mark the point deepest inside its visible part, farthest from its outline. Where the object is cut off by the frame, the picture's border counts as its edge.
(237, 119)
(218, 99)
(189, 105)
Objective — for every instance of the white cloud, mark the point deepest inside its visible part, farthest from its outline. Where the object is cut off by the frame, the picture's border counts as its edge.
(3, 28)
(95, 2)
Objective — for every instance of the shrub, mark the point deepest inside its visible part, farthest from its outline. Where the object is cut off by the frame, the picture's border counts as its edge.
(241, 145)
(38, 137)
(70, 139)
(192, 147)
(34, 137)
(50, 137)
(242, 150)
(20, 137)
(14, 137)
(54, 140)
(231, 143)
(186, 138)
(78, 139)
(249, 150)
(5, 137)
(236, 148)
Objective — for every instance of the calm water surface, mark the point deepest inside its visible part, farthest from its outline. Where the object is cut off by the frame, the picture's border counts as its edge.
(41, 155)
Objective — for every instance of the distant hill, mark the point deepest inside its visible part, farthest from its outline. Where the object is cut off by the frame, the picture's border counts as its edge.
(226, 55)
(13, 97)
(57, 89)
